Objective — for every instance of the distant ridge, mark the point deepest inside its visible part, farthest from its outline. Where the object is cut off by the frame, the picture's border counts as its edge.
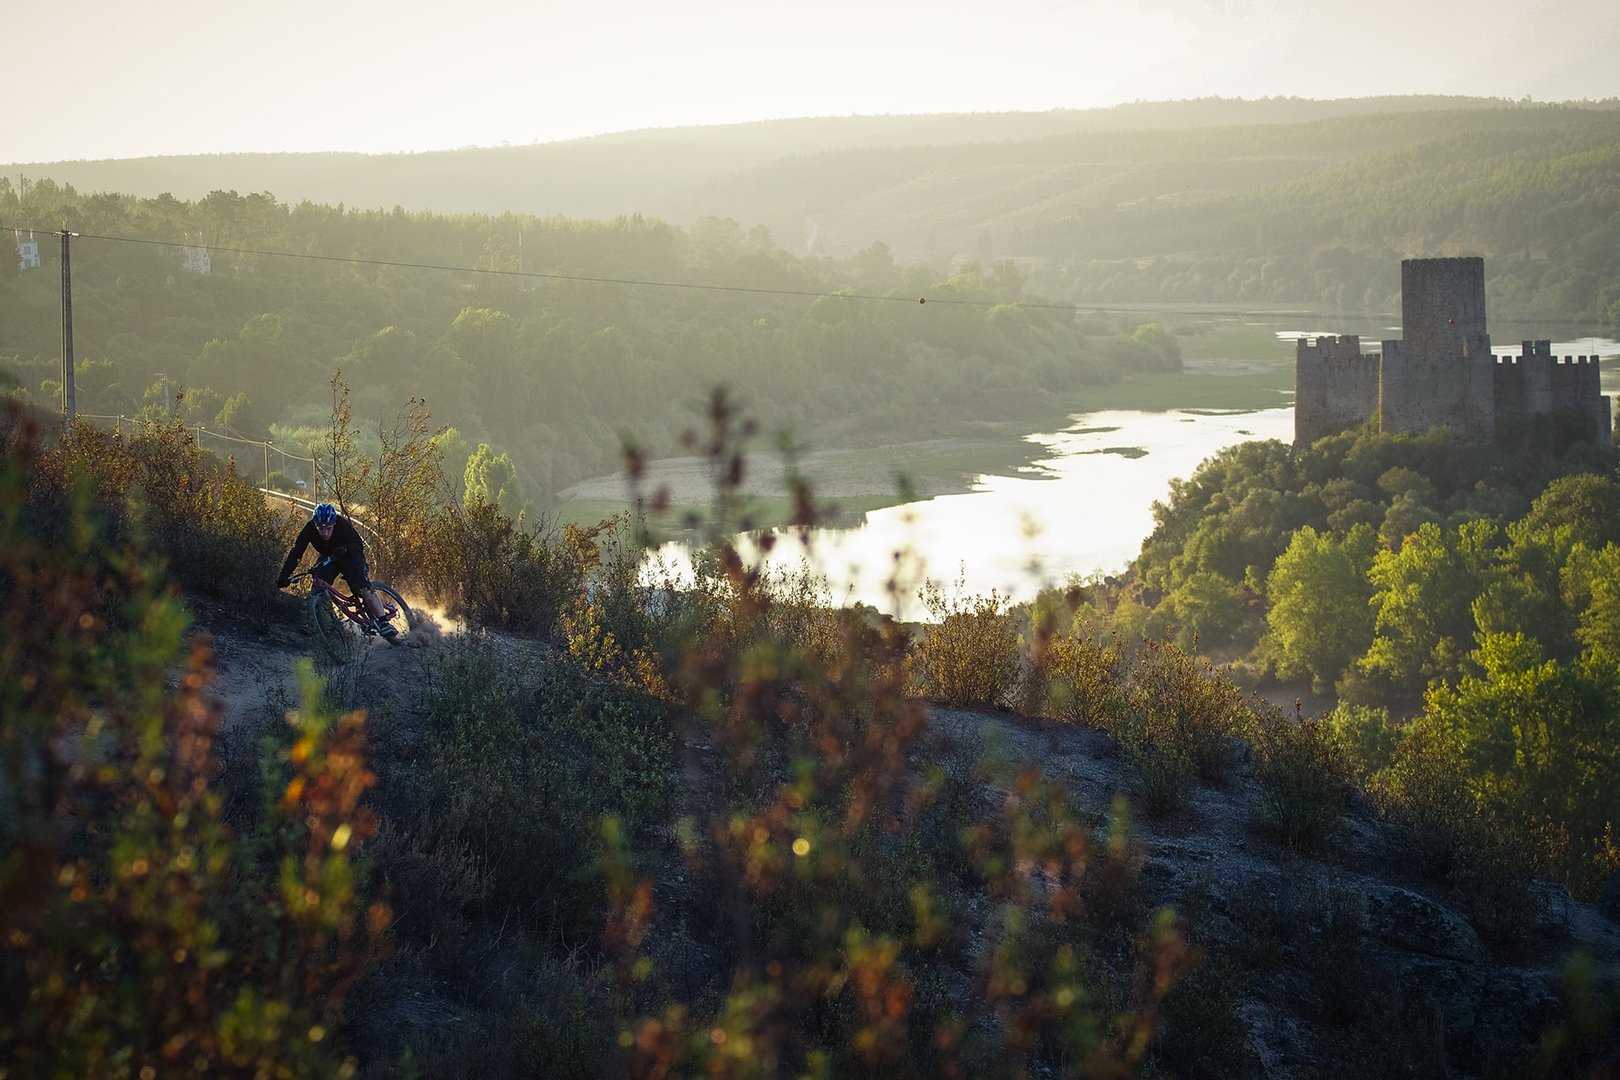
(639, 171)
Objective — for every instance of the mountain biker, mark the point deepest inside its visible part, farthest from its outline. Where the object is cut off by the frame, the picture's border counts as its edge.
(336, 537)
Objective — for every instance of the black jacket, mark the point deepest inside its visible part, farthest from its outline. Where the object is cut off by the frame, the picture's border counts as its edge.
(344, 543)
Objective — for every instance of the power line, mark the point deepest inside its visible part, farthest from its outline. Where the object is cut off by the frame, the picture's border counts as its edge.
(1123, 308)
(635, 282)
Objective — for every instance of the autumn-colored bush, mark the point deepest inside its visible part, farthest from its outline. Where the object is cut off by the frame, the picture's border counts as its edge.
(501, 572)
(859, 914)
(212, 527)
(866, 918)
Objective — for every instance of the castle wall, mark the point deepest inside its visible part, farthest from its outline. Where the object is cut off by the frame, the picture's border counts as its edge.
(1537, 382)
(1335, 386)
(1416, 393)
(1442, 304)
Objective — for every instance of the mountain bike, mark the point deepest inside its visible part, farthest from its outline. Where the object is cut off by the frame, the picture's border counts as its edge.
(342, 619)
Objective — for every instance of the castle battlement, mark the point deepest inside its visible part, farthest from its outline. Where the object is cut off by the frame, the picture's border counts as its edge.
(1443, 372)
(1329, 348)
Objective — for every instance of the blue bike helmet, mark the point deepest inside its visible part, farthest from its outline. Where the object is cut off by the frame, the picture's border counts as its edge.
(325, 514)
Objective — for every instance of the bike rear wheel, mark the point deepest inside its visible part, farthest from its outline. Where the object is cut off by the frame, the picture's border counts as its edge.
(336, 638)
(400, 616)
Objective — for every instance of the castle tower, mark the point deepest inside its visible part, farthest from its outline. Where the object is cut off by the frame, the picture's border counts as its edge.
(1442, 305)
(1442, 372)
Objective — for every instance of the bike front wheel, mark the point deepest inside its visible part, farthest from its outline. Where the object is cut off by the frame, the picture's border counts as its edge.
(335, 636)
(398, 613)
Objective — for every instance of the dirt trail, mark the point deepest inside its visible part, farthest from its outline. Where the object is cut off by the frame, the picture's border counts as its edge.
(256, 666)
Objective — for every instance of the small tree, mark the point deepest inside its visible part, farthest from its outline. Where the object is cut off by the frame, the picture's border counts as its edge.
(491, 478)
(406, 490)
(1320, 619)
(341, 470)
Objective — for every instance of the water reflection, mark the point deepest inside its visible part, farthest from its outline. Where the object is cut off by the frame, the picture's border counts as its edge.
(1083, 508)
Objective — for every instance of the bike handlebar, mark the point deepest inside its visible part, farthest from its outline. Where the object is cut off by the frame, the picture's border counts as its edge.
(312, 568)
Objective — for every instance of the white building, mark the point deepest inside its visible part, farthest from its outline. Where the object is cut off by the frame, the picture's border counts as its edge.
(27, 252)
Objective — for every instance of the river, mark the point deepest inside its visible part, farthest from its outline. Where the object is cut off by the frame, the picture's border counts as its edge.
(1083, 508)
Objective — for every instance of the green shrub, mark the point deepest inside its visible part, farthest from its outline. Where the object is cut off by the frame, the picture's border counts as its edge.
(1485, 855)
(522, 757)
(1203, 1033)
(1425, 790)
(1304, 772)
(1586, 1041)
(1085, 679)
(1367, 734)
(1176, 721)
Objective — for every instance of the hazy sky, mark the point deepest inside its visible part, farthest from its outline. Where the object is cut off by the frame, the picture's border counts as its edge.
(110, 78)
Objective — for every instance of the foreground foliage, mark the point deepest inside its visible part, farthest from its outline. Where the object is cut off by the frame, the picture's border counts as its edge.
(138, 935)
(706, 830)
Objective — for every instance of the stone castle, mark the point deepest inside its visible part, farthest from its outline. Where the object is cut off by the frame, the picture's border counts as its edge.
(1443, 373)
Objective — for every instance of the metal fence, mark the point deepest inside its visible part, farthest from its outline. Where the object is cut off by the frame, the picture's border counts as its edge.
(305, 495)
(265, 460)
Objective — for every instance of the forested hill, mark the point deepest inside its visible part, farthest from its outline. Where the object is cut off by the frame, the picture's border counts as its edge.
(1274, 201)
(550, 339)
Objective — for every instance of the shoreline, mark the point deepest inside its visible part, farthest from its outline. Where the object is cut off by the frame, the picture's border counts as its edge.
(852, 482)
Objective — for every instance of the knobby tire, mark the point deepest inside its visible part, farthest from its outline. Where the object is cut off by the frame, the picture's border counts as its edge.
(329, 627)
(404, 619)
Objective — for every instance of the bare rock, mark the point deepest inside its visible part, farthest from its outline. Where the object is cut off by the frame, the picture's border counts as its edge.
(1406, 920)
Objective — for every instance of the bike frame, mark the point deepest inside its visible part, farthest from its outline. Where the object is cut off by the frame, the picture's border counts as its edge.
(349, 604)
(326, 600)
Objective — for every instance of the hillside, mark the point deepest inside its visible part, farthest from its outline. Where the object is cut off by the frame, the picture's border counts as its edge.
(721, 830)
(1347, 955)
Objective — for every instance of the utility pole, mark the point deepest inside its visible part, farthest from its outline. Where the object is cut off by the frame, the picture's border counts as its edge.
(69, 406)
